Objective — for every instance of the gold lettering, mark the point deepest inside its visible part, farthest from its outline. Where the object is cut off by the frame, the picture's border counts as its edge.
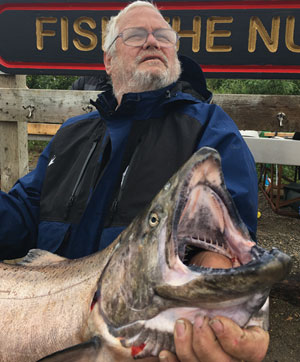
(64, 23)
(85, 33)
(104, 22)
(211, 33)
(40, 32)
(194, 34)
(256, 26)
(289, 35)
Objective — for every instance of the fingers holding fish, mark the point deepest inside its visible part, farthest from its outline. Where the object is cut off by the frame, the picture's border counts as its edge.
(199, 343)
(218, 339)
(183, 337)
(205, 343)
(248, 344)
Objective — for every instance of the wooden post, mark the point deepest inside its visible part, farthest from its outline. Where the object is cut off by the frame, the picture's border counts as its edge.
(13, 139)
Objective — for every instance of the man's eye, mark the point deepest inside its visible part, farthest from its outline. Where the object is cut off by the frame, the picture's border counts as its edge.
(162, 38)
(134, 37)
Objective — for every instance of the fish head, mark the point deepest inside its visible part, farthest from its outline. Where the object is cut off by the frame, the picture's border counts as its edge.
(149, 282)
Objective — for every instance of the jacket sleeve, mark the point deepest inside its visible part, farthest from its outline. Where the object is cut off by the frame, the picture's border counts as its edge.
(19, 212)
(238, 165)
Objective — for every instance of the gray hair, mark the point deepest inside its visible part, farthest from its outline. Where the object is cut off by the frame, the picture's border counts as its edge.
(112, 28)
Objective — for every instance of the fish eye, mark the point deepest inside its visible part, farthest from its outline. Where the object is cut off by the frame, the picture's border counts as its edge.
(154, 219)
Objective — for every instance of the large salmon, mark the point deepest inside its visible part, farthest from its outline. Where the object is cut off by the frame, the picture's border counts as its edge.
(124, 300)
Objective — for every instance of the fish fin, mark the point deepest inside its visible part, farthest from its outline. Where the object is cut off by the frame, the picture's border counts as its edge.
(37, 257)
(83, 352)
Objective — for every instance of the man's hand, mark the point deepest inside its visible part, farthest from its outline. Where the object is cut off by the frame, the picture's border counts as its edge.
(218, 339)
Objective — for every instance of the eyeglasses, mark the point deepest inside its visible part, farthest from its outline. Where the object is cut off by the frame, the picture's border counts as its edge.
(137, 37)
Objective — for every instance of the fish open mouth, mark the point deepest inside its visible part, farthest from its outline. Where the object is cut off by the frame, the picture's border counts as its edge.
(193, 212)
(206, 218)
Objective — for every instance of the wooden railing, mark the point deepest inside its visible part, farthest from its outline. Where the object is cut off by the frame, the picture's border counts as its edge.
(42, 111)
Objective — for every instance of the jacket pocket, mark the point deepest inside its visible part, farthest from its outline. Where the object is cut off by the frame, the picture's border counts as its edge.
(51, 234)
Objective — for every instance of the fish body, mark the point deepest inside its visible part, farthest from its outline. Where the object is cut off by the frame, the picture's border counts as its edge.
(45, 304)
(129, 296)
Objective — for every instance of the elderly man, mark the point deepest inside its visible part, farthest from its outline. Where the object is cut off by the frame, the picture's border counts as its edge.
(101, 169)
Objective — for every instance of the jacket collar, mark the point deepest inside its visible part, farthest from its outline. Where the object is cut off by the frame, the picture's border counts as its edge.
(191, 84)
(192, 74)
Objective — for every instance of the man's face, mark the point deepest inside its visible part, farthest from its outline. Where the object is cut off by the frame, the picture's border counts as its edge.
(148, 67)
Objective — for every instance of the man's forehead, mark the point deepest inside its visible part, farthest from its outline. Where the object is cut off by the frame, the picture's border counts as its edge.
(135, 17)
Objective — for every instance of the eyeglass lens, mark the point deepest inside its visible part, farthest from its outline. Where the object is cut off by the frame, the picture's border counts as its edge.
(138, 36)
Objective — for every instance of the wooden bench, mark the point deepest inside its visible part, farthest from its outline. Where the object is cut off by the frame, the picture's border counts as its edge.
(43, 111)
(42, 131)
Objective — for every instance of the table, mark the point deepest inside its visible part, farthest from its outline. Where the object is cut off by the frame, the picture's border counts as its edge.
(275, 152)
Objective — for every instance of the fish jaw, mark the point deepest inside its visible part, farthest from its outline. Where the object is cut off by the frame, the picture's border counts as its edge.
(236, 293)
(205, 217)
(153, 284)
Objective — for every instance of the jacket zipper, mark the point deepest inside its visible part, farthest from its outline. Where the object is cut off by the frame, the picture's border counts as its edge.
(124, 179)
(102, 151)
(118, 198)
(76, 187)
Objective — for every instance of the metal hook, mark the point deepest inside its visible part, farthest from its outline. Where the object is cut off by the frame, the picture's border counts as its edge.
(87, 109)
(281, 116)
(31, 110)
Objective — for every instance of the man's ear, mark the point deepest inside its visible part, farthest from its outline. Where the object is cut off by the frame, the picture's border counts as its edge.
(107, 62)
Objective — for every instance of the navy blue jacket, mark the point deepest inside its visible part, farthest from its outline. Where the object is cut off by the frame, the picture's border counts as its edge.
(72, 203)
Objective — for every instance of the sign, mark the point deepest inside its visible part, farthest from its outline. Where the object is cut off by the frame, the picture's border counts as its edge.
(237, 38)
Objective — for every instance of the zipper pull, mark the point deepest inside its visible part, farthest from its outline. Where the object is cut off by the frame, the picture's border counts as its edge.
(69, 205)
(114, 205)
(123, 179)
(71, 201)
(79, 179)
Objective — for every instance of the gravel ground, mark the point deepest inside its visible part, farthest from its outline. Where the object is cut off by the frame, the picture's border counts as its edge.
(284, 233)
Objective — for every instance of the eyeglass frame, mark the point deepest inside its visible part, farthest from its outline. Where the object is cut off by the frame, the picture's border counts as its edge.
(120, 35)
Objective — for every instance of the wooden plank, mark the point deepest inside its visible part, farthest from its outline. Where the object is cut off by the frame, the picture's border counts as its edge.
(259, 112)
(50, 106)
(279, 134)
(13, 141)
(42, 129)
(12, 81)
(50, 129)
(255, 112)
(14, 153)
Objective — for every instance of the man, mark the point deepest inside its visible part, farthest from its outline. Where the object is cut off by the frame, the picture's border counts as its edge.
(101, 169)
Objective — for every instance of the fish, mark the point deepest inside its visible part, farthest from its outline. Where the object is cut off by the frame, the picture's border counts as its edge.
(121, 303)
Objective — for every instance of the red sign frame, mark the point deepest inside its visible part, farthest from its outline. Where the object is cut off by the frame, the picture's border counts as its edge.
(285, 69)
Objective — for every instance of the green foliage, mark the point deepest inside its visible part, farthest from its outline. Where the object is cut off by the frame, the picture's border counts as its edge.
(37, 146)
(50, 81)
(254, 86)
(233, 86)
(288, 172)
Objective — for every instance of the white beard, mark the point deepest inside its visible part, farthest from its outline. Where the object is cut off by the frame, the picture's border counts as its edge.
(138, 80)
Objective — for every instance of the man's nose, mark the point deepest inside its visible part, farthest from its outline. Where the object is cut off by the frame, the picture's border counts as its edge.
(151, 41)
